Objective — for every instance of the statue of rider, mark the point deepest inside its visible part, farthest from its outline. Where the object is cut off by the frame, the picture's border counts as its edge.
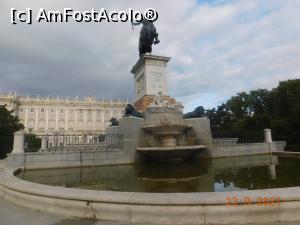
(148, 36)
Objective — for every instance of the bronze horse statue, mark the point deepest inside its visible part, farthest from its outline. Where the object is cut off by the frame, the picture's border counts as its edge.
(148, 36)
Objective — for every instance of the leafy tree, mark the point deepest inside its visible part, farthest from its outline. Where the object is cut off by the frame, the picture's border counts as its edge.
(8, 122)
(8, 125)
(259, 101)
(286, 98)
(239, 105)
(286, 107)
(278, 109)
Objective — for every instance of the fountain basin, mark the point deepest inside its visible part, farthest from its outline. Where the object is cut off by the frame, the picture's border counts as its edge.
(167, 133)
(166, 130)
(169, 152)
(159, 208)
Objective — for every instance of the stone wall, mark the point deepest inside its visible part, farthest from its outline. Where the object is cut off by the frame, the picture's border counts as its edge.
(130, 128)
(202, 131)
(127, 155)
(69, 159)
(246, 149)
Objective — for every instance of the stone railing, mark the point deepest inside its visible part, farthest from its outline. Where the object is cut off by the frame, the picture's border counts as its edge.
(45, 143)
(225, 141)
(231, 137)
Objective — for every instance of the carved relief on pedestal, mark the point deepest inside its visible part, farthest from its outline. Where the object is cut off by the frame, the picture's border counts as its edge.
(156, 80)
(158, 101)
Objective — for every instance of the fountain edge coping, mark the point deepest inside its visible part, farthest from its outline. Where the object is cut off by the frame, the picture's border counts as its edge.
(11, 182)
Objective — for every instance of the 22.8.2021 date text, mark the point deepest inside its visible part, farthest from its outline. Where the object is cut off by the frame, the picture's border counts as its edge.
(259, 201)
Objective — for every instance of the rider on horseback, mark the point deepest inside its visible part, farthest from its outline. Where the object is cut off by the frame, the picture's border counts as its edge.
(148, 36)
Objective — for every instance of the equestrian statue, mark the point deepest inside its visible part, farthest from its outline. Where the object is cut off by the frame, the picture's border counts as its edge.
(148, 36)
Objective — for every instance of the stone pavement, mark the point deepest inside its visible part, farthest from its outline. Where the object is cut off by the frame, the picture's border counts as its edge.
(11, 214)
(2, 163)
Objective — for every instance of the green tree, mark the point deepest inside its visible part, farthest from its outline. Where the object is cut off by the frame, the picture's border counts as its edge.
(286, 111)
(278, 109)
(8, 125)
(239, 105)
(259, 101)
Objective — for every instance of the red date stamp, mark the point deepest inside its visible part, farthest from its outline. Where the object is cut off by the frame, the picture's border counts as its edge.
(259, 201)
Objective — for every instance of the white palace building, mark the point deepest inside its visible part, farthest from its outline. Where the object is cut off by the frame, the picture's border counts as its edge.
(63, 116)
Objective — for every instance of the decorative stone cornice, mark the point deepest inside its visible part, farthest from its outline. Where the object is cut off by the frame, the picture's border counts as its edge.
(150, 60)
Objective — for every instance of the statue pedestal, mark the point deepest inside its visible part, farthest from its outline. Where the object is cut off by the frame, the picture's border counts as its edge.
(150, 77)
(142, 103)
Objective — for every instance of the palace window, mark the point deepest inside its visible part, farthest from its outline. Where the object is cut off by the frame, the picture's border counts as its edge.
(42, 110)
(71, 110)
(21, 110)
(32, 110)
(61, 110)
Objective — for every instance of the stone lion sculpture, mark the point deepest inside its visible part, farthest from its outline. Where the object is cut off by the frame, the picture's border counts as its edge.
(130, 110)
(114, 122)
(198, 112)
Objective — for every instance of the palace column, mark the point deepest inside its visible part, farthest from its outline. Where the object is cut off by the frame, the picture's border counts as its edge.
(36, 121)
(84, 119)
(67, 119)
(103, 119)
(76, 119)
(56, 119)
(26, 118)
(94, 119)
(47, 119)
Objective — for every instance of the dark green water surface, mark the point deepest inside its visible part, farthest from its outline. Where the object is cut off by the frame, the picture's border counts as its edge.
(216, 175)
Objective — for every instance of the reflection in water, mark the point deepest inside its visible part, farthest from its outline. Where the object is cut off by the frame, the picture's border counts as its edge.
(272, 171)
(177, 176)
(226, 174)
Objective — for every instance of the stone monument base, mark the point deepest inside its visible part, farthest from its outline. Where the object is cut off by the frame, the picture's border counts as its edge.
(142, 103)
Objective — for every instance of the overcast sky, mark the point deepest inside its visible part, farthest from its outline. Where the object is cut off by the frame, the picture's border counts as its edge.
(218, 48)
